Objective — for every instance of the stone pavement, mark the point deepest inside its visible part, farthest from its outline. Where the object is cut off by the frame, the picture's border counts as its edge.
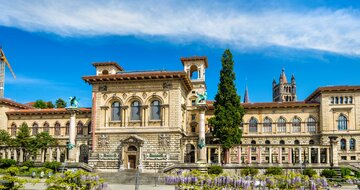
(111, 186)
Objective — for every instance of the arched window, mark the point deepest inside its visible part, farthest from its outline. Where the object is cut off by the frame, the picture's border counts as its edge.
(46, 127)
(311, 142)
(135, 111)
(105, 72)
(296, 125)
(345, 100)
(352, 144)
(253, 125)
(281, 125)
(115, 111)
(132, 148)
(350, 100)
(35, 129)
(341, 100)
(79, 128)
(267, 125)
(342, 144)
(155, 110)
(57, 129)
(297, 142)
(342, 123)
(253, 148)
(311, 125)
(282, 142)
(336, 100)
(67, 128)
(13, 129)
(267, 142)
(194, 73)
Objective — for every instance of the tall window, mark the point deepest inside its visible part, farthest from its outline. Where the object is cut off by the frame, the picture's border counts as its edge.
(79, 128)
(253, 125)
(311, 142)
(352, 144)
(342, 144)
(342, 123)
(57, 129)
(46, 127)
(155, 110)
(296, 125)
(281, 125)
(297, 142)
(311, 125)
(13, 129)
(116, 111)
(35, 129)
(267, 125)
(67, 128)
(135, 110)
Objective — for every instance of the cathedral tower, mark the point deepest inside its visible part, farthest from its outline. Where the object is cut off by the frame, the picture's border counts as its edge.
(284, 91)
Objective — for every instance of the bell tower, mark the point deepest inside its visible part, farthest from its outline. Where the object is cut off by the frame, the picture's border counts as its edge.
(195, 68)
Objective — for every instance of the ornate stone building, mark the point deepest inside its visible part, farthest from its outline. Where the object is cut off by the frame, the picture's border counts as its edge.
(151, 120)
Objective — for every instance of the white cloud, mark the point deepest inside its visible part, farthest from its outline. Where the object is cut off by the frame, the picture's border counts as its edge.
(323, 29)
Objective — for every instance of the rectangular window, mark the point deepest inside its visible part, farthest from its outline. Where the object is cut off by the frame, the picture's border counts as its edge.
(253, 158)
(343, 157)
(193, 117)
(353, 157)
(193, 102)
(135, 113)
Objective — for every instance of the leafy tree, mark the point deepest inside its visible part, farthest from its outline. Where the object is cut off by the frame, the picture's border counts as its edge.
(25, 141)
(274, 171)
(40, 104)
(249, 171)
(4, 137)
(43, 140)
(60, 103)
(228, 111)
(49, 104)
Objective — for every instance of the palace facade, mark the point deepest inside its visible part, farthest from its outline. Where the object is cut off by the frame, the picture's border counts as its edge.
(150, 120)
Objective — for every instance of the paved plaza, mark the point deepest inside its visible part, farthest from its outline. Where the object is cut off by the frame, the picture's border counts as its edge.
(111, 186)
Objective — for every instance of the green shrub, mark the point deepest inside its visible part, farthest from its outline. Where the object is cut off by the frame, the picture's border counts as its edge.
(215, 170)
(13, 171)
(274, 171)
(345, 172)
(5, 163)
(249, 171)
(309, 172)
(28, 163)
(328, 173)
(52, 165)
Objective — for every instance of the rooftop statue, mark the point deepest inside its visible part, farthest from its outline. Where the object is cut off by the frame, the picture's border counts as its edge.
(74, 102)
(201, 98)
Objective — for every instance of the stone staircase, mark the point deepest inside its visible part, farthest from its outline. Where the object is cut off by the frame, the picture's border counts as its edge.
(128, 177)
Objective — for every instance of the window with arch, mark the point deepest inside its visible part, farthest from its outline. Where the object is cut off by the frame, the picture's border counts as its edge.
(267, 125)
(105, 72)
(342, 123)
(350, 100)
(282, 142)
(155, 110)
(336, 100)
(35, 129)
(343, 144)
(253, 148)
(135, 111)
(297, 142)
(352, 144)
(281, 125)
(267, 142)
(13, 129)
(345, 100)
(253, 125)
(46, 127)
(79, 128)
(296, 125)
(57, 129)
(116, 111)
(311, 142)
(311, 125)
(132, 148)
(67, 128)
(194, 73)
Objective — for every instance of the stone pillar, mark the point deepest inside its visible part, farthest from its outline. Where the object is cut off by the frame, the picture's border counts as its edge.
(208, 155)
(15, 154)
(300, 155)
(249, 154)
(327, 156)
(318, 155)
(219, 155)
(57, 154)
(72, 135)
(334, 162)
(309, 155)
(3, 153)
(289, 155)
(259, 155)
(8, 154)
(21, 156)
(140, 159)
(280, 155)
(50, 157)
(77, 153)
(202, 150)
(239, 154)
(42, 155)
(270, 155)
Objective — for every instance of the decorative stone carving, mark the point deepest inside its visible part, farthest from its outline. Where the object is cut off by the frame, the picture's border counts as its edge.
(108, 156)
(165, 94)
(103, 140)
(105, 96)
(124, 95)
(144, 95)
(164, 140)
(102, 88)
(155, 156)
(167, 85)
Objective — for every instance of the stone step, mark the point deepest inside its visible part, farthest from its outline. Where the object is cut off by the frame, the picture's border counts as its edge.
(128, 177)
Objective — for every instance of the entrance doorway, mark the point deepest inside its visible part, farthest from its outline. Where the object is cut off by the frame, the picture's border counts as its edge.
(132, 161)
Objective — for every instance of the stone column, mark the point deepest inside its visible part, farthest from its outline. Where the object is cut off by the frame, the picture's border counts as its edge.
(327, 156)
(219, 155)
(309, 155)
(72, 135)
(270, 155)
(319, 152)
(259, 155)
(208, 149)
(42, 155)
(289, 155)
(140, 159)
(280, 155)
(202, 150)
(249, 154)
(334, 162)
(15, 154)
(3, 153)
(21, 156)
(8, 154)
(57, 154)
(239, 154)
(50, 156)
(300, 155)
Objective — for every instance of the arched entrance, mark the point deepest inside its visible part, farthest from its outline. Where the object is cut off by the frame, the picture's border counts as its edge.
(132, 154)
(190, 154)
(84, 151)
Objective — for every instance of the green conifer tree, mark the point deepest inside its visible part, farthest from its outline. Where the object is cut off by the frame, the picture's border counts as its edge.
(228, 111)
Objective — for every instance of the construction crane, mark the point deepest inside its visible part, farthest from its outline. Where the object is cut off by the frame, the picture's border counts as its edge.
(4, 61)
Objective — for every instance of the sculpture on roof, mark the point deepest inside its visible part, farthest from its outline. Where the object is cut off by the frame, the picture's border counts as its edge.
(201, 98)
(74, 102)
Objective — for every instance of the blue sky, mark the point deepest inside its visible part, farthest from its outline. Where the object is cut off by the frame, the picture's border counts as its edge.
(51, 44)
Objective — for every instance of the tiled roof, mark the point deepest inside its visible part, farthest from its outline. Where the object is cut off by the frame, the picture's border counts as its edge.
(14, 104)
(110, 63)
(331, 89)
(45, 111)
(140, 76)
(271, 105)
(195, 58)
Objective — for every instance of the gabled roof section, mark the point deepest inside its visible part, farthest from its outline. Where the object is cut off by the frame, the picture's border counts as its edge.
(320, 90)
(195, 58)
(110, 63)
(14, 104)
(130, 76)
(46, 111)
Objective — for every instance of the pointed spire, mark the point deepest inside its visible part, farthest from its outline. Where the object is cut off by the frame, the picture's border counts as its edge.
(283, 76)
(293, 79)
(246, 95)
